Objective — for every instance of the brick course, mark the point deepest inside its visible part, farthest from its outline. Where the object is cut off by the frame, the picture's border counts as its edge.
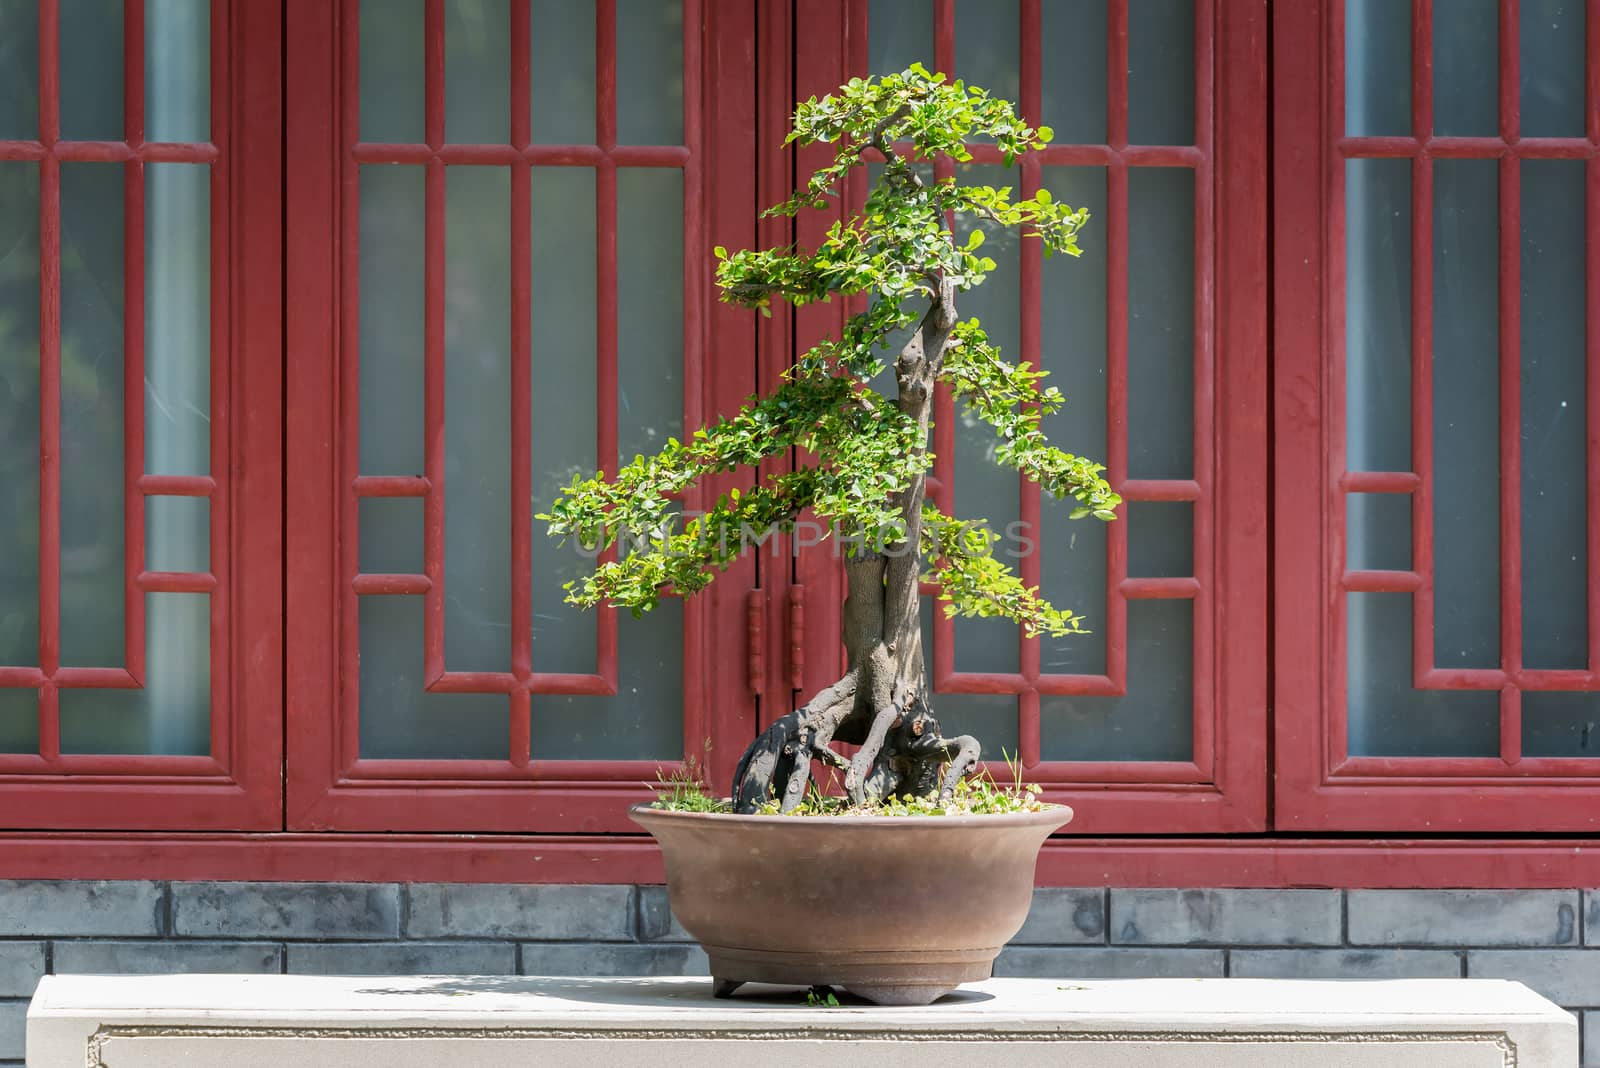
(1549, 939)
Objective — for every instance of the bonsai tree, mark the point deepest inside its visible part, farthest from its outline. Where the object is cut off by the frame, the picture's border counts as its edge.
(867, 450)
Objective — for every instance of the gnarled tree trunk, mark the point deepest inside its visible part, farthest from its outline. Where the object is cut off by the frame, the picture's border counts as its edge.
(881, 704)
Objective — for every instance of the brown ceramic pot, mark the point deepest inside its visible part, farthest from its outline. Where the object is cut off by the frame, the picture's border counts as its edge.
(898, 909)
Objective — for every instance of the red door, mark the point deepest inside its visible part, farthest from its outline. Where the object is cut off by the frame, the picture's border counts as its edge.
(501, 221)
(140, 556)
(1156, 722)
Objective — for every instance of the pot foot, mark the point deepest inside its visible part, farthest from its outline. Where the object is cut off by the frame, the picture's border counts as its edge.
(724, 988)
(899, 993)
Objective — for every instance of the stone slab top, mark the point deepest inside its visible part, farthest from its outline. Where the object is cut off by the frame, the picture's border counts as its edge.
(996, 1005)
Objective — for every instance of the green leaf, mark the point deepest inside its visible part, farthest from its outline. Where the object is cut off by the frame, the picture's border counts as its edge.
(1045, 134)
(721, 252)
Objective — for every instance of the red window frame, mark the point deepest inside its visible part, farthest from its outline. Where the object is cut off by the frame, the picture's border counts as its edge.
(1319, 785)
(237, 786)
(329, 786)
(1223, 789)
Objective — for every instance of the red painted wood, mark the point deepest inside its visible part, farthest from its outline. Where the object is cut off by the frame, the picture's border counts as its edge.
(1115, 862)
(237, 786)
(329, 785)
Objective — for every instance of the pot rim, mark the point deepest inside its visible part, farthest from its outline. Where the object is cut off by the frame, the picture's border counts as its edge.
(1048, 813)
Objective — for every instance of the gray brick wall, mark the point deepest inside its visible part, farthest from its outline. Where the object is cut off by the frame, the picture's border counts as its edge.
(1549, 939)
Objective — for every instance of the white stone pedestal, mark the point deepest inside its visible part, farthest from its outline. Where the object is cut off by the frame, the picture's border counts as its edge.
(328, 1022)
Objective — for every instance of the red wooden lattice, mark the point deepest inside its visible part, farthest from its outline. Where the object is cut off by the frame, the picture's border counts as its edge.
(1223, 787)
(236, 785)
(1320, 785)
(330, 785)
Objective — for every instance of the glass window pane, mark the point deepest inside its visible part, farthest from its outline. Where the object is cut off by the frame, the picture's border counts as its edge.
(986, 46)
(477, 71)
(91, 70)
(392, 82)
(1154, 720)
(644, 720)
(1073, 71)
(1160, 538)
(1072, 309)
(562, 73)
(1560, 724)
(391, 535)
(19, 70)
(649, 72)
(1161, 72)
(1466, 92)
(19, 410)
(1377, 68)
(1466, 412)
(19, 721)
(1389, 718)
(1160, 322)
(92, 565)
(1551, 37)
(899, 33)
(177, 534)
(391, 320)
(177, 70)
(983, 490)
(177, 329)
(1555, 560)
(1378, 531)
(650, 294)
(564, 411)
(399, 720)
(1378, 314)
(477, 420)
(171, 715)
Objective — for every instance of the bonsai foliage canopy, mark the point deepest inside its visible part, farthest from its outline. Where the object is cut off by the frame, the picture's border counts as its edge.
(866, 451)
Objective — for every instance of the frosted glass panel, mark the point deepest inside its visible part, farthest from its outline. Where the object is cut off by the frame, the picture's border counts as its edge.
(92, 565)
(391, 319)
(399, 720)
(1551, 37)
(644, 720)
(1560, 724)
(391, 535)
(177, 534)
(1154, 720)
(91, 70)
(171, 715)
(1160, 322)
(392, 82)
(984, 491)
(19, 69)
(1389, 718)
(650, 294)
(177, 70)
(986, 46)
(1072, 566)
(1377, 68)
(19, 410)
(649, 72)
(1378, 531)
(562, 73)
(1073, 70)
(1466, 405)
(477, 420)
(19, 721)
(477, 71)
(1161, 72)
(1378, 314)
(1160, 538)
(1555, 561)
(1466, 43)
(899, 33)
(177, 342)
(563, 403)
